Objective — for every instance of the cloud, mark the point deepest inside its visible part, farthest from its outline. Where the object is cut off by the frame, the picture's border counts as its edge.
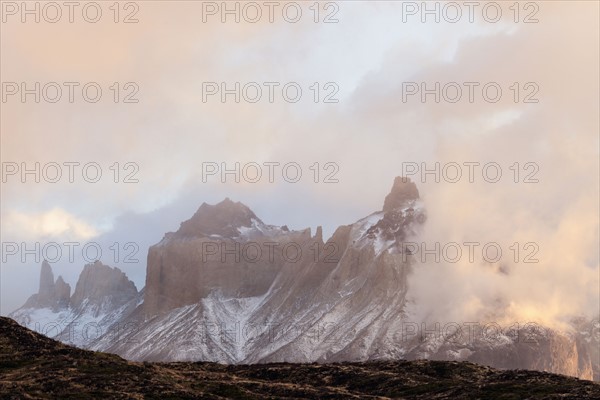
(55, 224)
(369, 133)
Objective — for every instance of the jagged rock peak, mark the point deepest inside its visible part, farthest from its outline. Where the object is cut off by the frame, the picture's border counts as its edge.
(223, 219)
(62, 292)
(46, 280)
(319, 234)
(98, 282)
(54, 295)
(403, 191)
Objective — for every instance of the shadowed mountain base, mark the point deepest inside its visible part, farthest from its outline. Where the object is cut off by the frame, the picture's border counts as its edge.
(34, 366)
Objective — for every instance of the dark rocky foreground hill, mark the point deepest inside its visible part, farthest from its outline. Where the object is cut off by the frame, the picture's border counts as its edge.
(34, 366)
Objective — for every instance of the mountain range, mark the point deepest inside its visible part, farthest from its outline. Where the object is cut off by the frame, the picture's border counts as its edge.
(228, 288)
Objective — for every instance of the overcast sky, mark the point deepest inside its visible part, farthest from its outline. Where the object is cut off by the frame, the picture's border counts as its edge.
(367, 57)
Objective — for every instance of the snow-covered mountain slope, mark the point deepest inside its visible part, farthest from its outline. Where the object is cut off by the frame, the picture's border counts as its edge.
(228, 288)
(102, 299)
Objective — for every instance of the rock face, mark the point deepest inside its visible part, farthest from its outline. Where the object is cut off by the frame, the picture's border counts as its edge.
(102, 296)
(62, 292)
(103, 288)
(223, 248)
(227, 287)
(46, 291)
(403, 191)
(223, 219)
(53, 295)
